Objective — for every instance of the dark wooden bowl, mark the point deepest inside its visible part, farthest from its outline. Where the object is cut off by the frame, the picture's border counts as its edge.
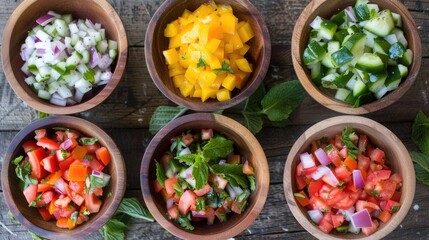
(247, 146)
(30, 217)
(326, 9)
(155, 42)
(21, 21)
(380, 136)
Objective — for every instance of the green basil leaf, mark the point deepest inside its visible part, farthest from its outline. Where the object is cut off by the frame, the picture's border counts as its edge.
(113, 230)
(133, 208)
(163, 115)
(233, 173)
(420, 132)
(421, 159)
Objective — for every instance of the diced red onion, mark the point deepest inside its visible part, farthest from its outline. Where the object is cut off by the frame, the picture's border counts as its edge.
(322, 157)
(358, 180)
(170, 203)
(43, 20)
(376, 213)
(222, 162)
(37, 40)
(58, 101)
(230, 191)
(89, 23)
(307, 160)
(60, 186)
(40, 51)
(95, 58)
(105, 61)
(96, 173)
(103, 82)
(320, 172)
(315, 215)
(351, 14)
(106, 76)
(52, 13)
(361, 219)
(66, 144)
(332, 179)
(187, 173)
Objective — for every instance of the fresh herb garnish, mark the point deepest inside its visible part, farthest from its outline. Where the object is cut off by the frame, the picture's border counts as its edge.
(395, 209)
(299, 195)
(218, 147)
(177, 145)
(187, 158)
(201, 205)
(420, 136)
(133, 208)
(185, 223)
(347, 139)
(34, 202)
(200, 172)
(41, 115)
(88, 141)
(23, 171)
(225, 68)
(233, 173)
(201, 62)
(178, 189)
(17, 160)
(160, 174)
(374, 193)
(252, 182)
(74, 216)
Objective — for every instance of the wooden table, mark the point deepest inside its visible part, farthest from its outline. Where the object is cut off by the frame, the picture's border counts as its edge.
(125, 116)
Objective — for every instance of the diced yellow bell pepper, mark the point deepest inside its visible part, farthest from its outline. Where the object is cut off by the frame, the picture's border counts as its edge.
(222, 9)
(245, 32)
(186, 13)
(195, 56)
(240, 24)
(219, 79)
(197, 93)
(214, 17)
(175, 42)
(207, 93)
(172, 29)
(215, 30)
(236, 42)
(229, 82)
(243, 65)
(203, 34)
(204, 10)
(229, 48)
(232, 58)
(213, 44)
(206, 79)
(176, 69)
(178, 80)
(171, 56)
(184, 61)
(220, 52)
(192, 74)
(241, 79)
(190, 34)
(242, 51)
(223, 95)
(214, 62)
(186, 89)
(228, 22)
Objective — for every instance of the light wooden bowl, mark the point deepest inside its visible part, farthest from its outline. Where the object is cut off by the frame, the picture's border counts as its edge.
(30, 217)
(326, 9)
(247, 146)
(380, 136)
(155, 42)
(21, 21)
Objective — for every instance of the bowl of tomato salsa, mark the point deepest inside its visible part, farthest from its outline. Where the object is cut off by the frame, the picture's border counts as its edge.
(63, 177)
(349, 177)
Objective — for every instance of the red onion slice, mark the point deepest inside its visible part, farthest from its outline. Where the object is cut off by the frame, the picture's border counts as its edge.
(66, 144)
(43, 20)
(320, 172)
(322, 157)
(351, 14)
(95, 58)
(361, 219)
(358, 180)
(60, 186)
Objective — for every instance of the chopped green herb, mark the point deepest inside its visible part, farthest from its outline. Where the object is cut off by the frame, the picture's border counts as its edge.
(299, 195)
(395, 209)
(178, 189)
(201, 204)
(225, 68)
(201, 62)
(185, 223)
(88, 141)
(347, 138)
(160, 174)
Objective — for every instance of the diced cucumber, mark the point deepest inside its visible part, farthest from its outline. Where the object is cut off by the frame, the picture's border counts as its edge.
(113, 53)
(85, 56)
(80, 47)
(339, 18)
(391, 39)
(327, 29)
(53, 87)
(400, 36)
(403, 70)
(351, 84)
(95, 34)
(342, 94)
(74, 39)
(330, 71)
(362, 99)
(341, 57)
(376, 81)
(370, 63)
(43, 94)
(312, 54)
(67, 17)
(102, 46)
(350, 98)
(62, 27)
(356, 44)
(73, 61)
(382, 25)
(369, 39)
(328, 80)
(397, 50)
(381, 92)
(362, 12)
(51, 30)
(89, 42)
(397, 19)
(42, 35)
(315, 24)
(373, 10)
(407, 58)
(340, 35)
(343, 68)
(327, 61)
(364, 76)
(342, 80)
(393, 78)
(333, 46)
(384, 58)
(359, 88)
(314, 36)
(64, 91)
(114, 44)
(30, 80)
(316, 73)
(359, 2)
(353, 28)
(381, 46)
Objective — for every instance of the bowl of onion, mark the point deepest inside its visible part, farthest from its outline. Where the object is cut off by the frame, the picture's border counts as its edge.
(64, 57)
(349, 177)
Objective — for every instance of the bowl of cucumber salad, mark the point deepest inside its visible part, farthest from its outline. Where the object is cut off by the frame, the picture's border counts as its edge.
(356, 57)
(63, 57)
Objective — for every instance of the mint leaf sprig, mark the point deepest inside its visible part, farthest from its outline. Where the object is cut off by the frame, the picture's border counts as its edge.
(420, 136)
(276, 105)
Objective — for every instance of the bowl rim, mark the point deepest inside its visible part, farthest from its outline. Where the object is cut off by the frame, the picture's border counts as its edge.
(207, 106)
(45, 106)
(339, 106)
(237, 128)
(347, 120)
(78, 232)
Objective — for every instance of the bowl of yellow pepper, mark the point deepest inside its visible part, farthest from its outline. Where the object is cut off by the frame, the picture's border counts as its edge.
(207, 55)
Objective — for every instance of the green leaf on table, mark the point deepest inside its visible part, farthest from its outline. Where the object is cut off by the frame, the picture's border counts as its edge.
(163, 115)
(218, 147)
(281, 124)
(133, 208)
(41, 115)
(187, 158)
(347, 138)
(252, 120)
(160, 174)
(421, 166)
(256, 98)
(200, 172)
(282, 99)
(233, 173)
(113, 230)
(420, 132)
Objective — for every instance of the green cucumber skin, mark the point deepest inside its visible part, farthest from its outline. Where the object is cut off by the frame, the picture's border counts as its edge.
(341, 57)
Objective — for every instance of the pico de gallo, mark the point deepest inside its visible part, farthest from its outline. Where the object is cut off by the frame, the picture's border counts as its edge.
(346, 184)
(202, 178)
(61, 175)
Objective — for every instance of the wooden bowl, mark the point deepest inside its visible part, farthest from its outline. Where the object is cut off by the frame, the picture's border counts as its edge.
(247, 146)
(380, 136)
(30, 217)
(21, 21)
(259, 53)
(326, 9)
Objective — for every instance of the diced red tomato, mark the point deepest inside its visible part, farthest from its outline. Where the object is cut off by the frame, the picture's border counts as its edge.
(169, 185)
(203, 191)
(35, 157)
(92, 203)
(62, 201)
(363, 162)
(77, 187)
(45, 199)
(370, 230)
(391, 206)
(43, 187)
(188, 139)
(186, 201)
(40, 133)
(338, 143)
(314, 187)
(48, 144)
(103, 155)
(300, 182)
(385, 189)
(50, 163)
(310, 170)
(98, 192)
(325, 226)
(158, 187)
(385, 216)
(79, 152)
(233, 159)
(337, 220)
(377, 155)
(30, 145)
(45, 214)
(91, 149)
(397, 196)
(62, 222)
(363, 142)
(319, 204)
(247, 168)
(350, 163)
(334, 156)
(370, 206)
(238, 207)
(60, 136)
(65, 164)
(219, 183)
(206, 134)
(341, 172)
(348, 201)
(397, 179)
(30, 192)
(302, 198)
(173, 212)
(344, 152)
